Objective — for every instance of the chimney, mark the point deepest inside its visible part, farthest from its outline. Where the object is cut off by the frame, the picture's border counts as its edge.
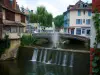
(14, 4)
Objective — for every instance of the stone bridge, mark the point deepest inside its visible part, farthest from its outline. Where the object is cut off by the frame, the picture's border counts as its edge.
(62, 35)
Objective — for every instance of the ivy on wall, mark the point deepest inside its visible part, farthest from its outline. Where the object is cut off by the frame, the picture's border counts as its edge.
(96, 54)
(4, 44)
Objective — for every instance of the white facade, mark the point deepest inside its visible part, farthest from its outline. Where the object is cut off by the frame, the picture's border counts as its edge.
(74, 16)
(77, 19)
(48, 29)
(84, 27)
(36, 28)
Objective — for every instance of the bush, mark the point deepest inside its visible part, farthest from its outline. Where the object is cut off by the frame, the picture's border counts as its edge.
(4, 44)
(28, 40)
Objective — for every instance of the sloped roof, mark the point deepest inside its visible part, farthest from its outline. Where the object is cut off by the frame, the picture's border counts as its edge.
(79, 6)
(17, 11)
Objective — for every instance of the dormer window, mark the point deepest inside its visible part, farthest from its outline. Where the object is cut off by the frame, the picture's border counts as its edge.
(78, 5)
(84, 5)
(81, 5)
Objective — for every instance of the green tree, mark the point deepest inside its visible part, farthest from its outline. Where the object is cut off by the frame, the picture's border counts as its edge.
(42, 16)
(59, 21)
(33, 18)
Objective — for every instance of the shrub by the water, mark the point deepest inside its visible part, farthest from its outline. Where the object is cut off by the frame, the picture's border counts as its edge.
(28, 40)
(4, 44)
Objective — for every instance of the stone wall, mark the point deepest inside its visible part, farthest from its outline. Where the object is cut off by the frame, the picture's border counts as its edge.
(12, 51)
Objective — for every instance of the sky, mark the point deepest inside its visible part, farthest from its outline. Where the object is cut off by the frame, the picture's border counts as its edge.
(56, 7)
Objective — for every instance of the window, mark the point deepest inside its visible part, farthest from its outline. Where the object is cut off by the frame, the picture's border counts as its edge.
(72, 31)
(78, 31)
(89, 13)
(78, 5)
(23, 18)
(10, 15)
(81, 5)
(88, 32)
(88, 21)
(83, 20)
(8, 29)
(21, 30)
(84, 12)
(78, 21)
(13, 30)
(79, 13)
(83, 31)
(84, 5)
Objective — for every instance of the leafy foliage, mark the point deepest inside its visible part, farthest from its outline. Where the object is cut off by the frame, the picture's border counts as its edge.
(42, 16)
(29, 40)
(59, 21)
(4, 44)
(96, 59)
(33, 18)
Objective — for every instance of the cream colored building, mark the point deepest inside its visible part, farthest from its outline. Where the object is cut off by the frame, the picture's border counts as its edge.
(77, 19)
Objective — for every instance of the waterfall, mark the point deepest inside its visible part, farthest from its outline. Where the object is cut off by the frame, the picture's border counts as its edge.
(64, 60)
(56, 58)
(55, 39)
(44, 58)
(60, 58)
(71, 60)
(35, 53)
(59, 61)
(49, 62)
(40, 56)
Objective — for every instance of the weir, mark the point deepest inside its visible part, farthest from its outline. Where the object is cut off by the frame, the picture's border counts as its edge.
(55, 56)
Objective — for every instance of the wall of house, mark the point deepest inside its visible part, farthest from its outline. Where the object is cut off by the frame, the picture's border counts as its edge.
(17, 18)
(74, 16)
(3, 13)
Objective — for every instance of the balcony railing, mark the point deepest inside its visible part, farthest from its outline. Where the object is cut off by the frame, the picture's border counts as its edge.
(14, 36)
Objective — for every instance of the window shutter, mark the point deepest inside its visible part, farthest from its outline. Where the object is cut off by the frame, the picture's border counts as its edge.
(86, 21)
(76, 21)
(81, 21)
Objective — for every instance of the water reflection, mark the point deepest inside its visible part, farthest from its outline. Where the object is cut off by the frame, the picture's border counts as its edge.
(33, 68)
(25, 67)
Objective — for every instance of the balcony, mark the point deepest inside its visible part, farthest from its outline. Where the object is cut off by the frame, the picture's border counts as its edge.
(12, 36)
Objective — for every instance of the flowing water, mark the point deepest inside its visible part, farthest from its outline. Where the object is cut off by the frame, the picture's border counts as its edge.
(64, 60)
(48, 61)
(34, 57)
(55, 39)
(21, 67)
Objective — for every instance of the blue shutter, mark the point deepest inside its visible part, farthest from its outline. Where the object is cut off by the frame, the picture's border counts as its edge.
(86, 21)
(76, 21)
(81, 21)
